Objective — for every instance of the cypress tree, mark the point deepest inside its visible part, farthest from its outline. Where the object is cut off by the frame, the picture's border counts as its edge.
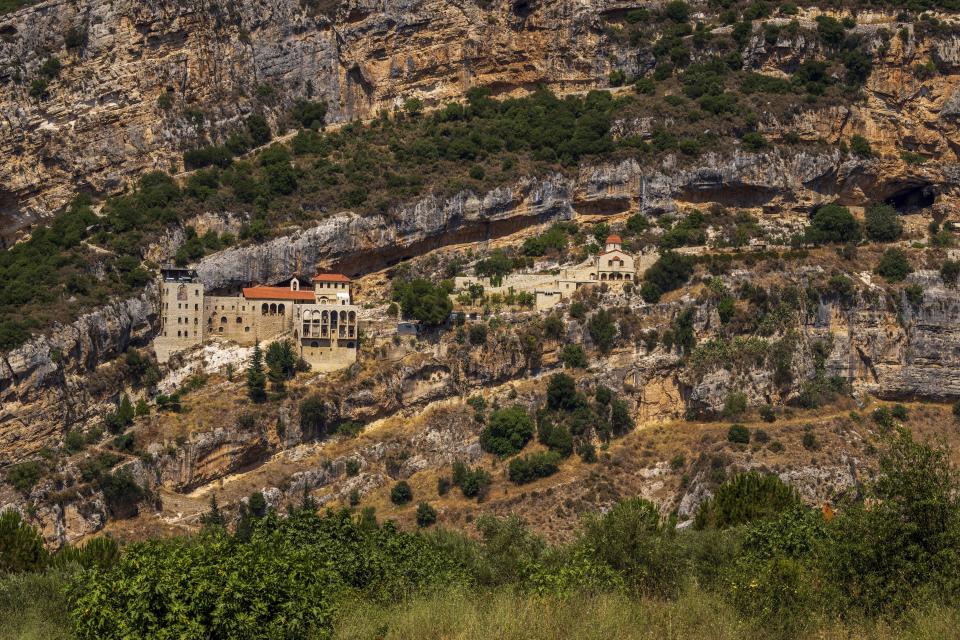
(256, 380)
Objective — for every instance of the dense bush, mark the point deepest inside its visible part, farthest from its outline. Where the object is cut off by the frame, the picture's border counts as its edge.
(669, 272)
(833, 223)
(744, 498)
(507, 431)
(528, 468)
(573, 356)
(894, 265)
(739, 434)
(472, 482)
(401, 493)
(423, 300)
(280, 583)
(882, 223)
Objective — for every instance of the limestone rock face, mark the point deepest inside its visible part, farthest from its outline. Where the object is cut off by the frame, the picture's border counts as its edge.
(101, 124)
(56, 381)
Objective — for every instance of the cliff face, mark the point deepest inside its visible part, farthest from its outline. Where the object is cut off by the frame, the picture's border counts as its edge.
(102, 124)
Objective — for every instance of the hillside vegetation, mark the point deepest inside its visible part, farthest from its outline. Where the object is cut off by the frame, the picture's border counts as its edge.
(886, 560)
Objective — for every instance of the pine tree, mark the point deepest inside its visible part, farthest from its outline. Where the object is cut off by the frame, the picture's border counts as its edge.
(256, 380)
(213, 517)
(125, 411)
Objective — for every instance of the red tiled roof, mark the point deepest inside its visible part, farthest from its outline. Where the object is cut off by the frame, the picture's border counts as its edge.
(614, 239)
(330, 277)
(276, 293)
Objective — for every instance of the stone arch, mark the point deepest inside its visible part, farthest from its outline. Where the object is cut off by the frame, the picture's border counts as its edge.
(273, 309)
(239, 320)
(223, 319)
(281, 309)
(264, 309)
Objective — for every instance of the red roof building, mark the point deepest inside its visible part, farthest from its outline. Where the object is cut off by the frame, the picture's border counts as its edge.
(614, 239)
(277, 293)
(330, 277)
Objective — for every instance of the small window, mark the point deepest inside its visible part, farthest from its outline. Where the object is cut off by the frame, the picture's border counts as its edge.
(314, 344)
(246, 329)
(239, 320)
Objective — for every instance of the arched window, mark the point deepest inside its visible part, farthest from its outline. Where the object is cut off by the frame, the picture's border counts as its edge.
(353, 316)
(239, 320)
(182, 292)
(273, 309)
(265, 309)
(343, 316)
(223, 319)
(282, 310)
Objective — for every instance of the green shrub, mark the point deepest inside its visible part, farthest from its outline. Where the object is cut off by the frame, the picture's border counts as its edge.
(860, 147)
(426, 515)
(555, 437)
(602, 330)
(739, 434)
(734, 404)
(21, 547)
(753, 141)
(573, 356)
(24, 475)
(949, 271)
(562, 393)
(810, 442)
(833, 223)
(401, 493)
(746, 497)
(477, 334)
(633, 540)
(669, 272)
(507, 431)
(883, 223)
(894, 265)
(533, 466)
(474, 483)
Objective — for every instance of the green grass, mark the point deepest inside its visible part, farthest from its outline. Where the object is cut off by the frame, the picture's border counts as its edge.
(33, 606)
(505, 615)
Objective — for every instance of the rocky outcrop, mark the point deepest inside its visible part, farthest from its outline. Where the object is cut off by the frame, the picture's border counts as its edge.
(102, 123)
(57, 380)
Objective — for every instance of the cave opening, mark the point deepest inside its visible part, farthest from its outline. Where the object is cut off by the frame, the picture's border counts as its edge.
(913, 198)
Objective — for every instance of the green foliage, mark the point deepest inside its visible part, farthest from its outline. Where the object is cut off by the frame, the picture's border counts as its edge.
(524, 469)
(734, 404)
(421, 299)
(21, 547)
(669, 272)
(573, 356)
(310, 115)
(281, 363)
(949, 271)
(562, 393)
(474, 483)
(555, 437)
(737, 433)
(901, 547)
(894, 265)
(833, 223)
(256, 379)
(477, 334)
(24, 475)
(401, 493)
(507, 431)
(632, 540)
(860, 147)
(122, 493)
(281, 583)
(313, 417)
(602, 330)
(426, 515)
(753, 141)
(744, 498)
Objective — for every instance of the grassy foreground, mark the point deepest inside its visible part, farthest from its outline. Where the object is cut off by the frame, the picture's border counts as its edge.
(505, 615)
(32, 606)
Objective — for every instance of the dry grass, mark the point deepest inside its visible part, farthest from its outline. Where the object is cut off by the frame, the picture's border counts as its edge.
(503, 615)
